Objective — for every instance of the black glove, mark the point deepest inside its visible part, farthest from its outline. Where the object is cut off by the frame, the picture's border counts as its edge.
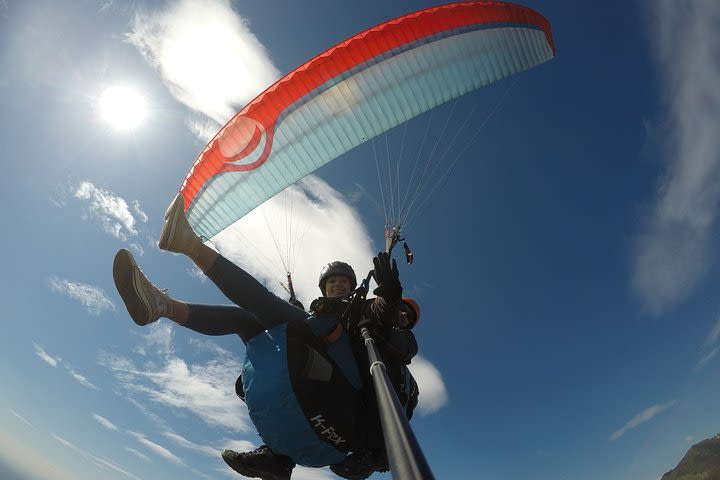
(387, 278)
(377, 330)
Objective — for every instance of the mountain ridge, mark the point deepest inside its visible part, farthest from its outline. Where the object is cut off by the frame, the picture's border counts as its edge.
(701, 462)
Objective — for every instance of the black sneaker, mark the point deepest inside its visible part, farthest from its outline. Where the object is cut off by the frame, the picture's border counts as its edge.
(360, 465)
(261, 463)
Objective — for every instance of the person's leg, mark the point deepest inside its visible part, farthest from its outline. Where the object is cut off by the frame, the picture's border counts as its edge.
(237, 285)
(146, 303)
(218, 320)
(244, 290)
(178, 236)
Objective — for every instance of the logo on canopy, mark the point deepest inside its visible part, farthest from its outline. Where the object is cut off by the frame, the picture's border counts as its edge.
(244, 144)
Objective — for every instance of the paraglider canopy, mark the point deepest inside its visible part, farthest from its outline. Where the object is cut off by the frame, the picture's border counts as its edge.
(353, 92)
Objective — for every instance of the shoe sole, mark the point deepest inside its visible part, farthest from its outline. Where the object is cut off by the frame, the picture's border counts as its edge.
(123, 273)
(247, 471)
(169, 226)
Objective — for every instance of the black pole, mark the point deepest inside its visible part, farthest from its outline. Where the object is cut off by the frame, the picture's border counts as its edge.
(407, 461)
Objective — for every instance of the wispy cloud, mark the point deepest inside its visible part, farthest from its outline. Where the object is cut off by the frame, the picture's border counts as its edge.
(66, 442)
(713, 335)
(156, 341)
(202, 127)
(185, 443)
(93, 299)
(157, 449)
(50, 360)
(190, 42)
(103, 463)
(642, 417)
(81, 379)
(55, 361)
(16, 452)
(711, 340)
(433, 395)
(98, 461)
(105, 422)
(20, 417)
(675, 248)
(111, 211)
(138, 454)
(141, 215)
(706, 358)
(166, 380)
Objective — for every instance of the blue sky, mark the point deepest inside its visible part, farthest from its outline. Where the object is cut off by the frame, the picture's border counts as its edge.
(566, 269)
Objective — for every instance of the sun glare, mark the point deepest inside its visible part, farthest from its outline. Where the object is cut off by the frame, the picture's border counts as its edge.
(122, 107)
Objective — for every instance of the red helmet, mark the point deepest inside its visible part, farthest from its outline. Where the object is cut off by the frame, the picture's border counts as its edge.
(415, 308)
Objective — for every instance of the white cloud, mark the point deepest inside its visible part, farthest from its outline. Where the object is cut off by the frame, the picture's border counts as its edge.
(92, 298)
(206, 54)
(433, 395)
(306, 473)
(189, 42)
(40, 352)
(642, 417)
(239, 445)
(320, 227)
(298, 473)
(111, 211)
(105, 422)
(157, 449)
(675, 248)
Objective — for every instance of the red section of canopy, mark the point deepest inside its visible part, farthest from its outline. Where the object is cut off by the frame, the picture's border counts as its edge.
(266, 108)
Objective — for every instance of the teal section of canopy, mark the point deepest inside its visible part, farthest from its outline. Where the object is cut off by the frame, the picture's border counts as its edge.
(365, 101)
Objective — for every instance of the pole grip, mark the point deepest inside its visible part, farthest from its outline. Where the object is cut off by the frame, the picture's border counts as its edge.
(407, 461)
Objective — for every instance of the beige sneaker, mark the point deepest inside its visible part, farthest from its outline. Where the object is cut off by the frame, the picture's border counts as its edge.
(177, 235)
(143, 300)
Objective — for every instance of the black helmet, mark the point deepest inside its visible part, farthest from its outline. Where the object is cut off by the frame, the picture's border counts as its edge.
(337, 268)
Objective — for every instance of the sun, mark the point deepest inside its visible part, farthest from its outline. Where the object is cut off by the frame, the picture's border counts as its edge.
(123, 108)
